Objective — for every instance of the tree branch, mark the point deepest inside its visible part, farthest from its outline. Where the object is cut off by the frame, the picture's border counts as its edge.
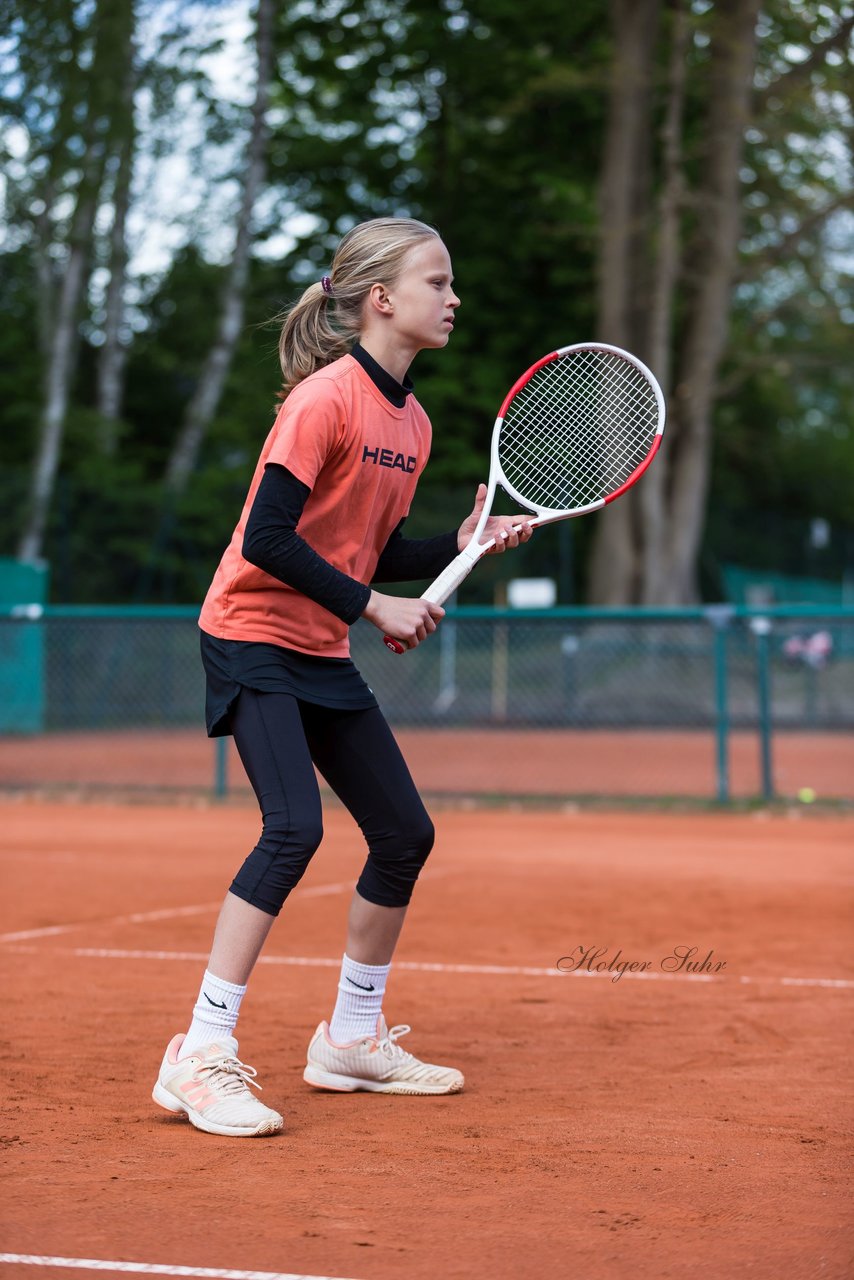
(789, 80)
(757, 264)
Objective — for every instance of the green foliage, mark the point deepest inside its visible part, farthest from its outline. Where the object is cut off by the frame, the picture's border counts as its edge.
(785, 424)
(20, 361)
(486, 118)
(457, 114)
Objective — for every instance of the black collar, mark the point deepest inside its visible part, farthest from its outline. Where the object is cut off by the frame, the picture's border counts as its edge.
(395, 392)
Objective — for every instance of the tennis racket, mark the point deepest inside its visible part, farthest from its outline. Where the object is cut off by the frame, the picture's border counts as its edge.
(574, 433)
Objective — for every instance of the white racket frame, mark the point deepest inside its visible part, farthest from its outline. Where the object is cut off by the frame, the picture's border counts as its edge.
(461, 566)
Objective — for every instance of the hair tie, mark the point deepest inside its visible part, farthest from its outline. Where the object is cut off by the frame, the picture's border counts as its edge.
(326, 284)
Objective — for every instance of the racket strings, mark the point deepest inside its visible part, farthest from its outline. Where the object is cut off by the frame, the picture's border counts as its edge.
(577, 430)
(588, 438)
(586, 443)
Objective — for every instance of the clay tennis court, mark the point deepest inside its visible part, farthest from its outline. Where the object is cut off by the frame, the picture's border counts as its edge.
(659, 1125)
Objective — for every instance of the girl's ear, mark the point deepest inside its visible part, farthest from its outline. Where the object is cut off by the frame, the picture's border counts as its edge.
(378, 299)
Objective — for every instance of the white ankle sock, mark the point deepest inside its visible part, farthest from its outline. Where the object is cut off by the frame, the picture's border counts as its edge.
(215, 1014)
(360, 1000)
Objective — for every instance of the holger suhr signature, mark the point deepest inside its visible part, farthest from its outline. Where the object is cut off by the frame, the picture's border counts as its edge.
(682, 959)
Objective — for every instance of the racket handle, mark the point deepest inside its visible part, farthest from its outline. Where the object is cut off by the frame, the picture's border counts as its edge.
(454, 574)
(446, 584)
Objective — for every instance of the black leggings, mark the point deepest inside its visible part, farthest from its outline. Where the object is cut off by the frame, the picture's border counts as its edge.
(278, 737)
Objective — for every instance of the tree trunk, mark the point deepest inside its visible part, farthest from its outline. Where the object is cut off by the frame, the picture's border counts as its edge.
(625, 169)
(113, 354)
(647, 544)
(651, 496)
(204, 403)
(625, 166)
(45, 282)
(718, 206)
(59, 371)
(60, 331)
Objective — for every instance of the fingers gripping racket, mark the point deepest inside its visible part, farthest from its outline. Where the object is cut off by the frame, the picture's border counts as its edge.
(574, 433)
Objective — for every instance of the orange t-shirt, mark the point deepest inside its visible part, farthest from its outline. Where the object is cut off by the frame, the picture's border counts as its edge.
(361, 458)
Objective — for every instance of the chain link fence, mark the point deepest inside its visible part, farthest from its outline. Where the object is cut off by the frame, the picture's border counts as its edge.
(82, 688)
(588, 669)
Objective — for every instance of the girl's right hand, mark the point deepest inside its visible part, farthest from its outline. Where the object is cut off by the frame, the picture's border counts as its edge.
(407, 620)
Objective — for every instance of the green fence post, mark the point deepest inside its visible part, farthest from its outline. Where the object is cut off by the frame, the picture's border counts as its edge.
(23, 693)
(719, 617)
(761, 628)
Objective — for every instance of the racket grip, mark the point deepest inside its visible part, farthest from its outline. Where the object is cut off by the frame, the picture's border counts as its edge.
(454, 574)
(446, 584)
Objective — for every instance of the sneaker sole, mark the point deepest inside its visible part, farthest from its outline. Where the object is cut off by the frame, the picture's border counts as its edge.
(164, 1099)
(320, 1079)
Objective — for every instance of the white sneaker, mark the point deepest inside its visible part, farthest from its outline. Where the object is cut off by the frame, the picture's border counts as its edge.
(375, 1063)
(212, 1087)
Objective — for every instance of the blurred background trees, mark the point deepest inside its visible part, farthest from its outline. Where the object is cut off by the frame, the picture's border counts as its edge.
(674, 177)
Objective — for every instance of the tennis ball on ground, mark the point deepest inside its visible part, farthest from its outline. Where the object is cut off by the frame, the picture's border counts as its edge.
(806, 795)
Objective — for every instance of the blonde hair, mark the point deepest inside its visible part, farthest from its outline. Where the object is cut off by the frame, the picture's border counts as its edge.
(323, 325)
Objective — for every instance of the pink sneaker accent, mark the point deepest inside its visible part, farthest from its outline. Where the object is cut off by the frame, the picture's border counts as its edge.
(212, 1087)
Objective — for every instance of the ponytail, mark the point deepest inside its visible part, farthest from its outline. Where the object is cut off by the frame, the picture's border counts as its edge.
(308, 341)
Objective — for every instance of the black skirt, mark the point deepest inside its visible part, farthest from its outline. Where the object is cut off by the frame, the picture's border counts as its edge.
(233, 664)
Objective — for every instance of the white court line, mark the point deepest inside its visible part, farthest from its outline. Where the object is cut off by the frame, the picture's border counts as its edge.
(155, 1268)
(138, 917)
(416, 966)
(168, 913)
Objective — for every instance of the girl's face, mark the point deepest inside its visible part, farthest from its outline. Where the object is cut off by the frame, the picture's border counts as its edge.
(422, 300)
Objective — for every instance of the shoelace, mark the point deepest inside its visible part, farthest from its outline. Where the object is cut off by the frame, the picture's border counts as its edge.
(389, 1046)
(236, 1074)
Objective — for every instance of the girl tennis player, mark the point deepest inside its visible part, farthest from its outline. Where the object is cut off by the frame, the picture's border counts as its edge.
(322, 520)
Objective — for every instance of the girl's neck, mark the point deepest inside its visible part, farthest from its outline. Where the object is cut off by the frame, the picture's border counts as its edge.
(388, 355)
(393, 391)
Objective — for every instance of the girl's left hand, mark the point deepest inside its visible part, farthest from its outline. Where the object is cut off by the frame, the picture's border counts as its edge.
(502, 528)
